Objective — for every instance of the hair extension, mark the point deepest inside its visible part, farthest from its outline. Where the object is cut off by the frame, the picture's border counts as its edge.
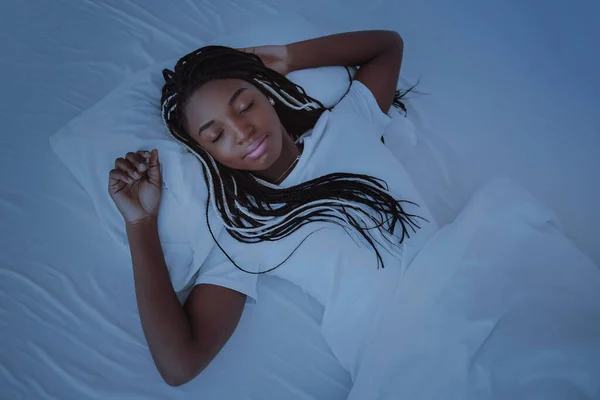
(253, 210)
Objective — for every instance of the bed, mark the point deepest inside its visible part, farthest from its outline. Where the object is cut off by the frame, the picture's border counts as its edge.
(516, 101)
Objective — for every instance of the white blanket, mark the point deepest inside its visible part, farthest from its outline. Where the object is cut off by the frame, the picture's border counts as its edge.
(498, 305)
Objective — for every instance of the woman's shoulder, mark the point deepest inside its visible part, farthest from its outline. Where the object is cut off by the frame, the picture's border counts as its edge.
(360, 102)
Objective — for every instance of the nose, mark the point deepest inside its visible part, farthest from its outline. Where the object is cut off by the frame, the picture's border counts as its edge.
(242, 131)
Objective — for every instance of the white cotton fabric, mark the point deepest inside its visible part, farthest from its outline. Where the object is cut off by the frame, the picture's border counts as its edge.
(339, 272)
(218, 270)
(497, 305)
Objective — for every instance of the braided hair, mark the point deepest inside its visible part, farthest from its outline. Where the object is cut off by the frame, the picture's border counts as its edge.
(253, 210)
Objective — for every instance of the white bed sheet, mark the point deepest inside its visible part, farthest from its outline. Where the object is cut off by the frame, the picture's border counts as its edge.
(507, 93)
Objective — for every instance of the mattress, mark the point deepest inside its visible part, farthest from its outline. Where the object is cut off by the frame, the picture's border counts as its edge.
(519, 101)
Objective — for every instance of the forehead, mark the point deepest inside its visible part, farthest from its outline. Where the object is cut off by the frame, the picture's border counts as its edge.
(212, 98)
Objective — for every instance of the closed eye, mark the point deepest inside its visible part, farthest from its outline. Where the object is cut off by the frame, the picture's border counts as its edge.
(218, 136)
(221, 131)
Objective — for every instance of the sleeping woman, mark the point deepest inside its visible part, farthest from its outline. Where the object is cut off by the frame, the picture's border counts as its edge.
(304, 192)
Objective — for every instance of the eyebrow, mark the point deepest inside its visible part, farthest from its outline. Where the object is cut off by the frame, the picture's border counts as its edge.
(231, 101)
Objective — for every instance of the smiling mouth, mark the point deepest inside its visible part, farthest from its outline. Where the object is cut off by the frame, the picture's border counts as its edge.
(256, 148)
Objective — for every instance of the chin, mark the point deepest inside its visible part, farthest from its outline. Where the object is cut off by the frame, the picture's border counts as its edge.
(265, 162)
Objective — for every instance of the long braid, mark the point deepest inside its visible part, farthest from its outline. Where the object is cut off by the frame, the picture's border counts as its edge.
(253, 210)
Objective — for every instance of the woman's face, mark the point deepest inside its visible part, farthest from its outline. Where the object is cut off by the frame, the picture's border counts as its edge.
(235, 123)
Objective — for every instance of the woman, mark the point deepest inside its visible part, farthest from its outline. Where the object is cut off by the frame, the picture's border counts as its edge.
(304, 192)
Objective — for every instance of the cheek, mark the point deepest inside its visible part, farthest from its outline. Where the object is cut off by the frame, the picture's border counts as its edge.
(223, 155)
(219, 153)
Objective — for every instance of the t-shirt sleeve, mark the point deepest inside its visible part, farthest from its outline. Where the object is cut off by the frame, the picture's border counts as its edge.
(218, 270)
(359, 101)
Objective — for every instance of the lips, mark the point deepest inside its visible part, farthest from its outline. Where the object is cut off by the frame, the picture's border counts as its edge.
(256, 148)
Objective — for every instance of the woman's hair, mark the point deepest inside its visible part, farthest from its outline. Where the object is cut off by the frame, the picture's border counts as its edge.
(253, 210)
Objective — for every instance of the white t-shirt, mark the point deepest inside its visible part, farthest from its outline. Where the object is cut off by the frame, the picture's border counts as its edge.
(328, 264)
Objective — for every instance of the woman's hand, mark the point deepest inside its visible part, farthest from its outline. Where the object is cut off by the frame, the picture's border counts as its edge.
(135, 185)
(275, 57)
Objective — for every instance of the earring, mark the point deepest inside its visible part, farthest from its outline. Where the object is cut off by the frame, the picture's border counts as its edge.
(271, 101)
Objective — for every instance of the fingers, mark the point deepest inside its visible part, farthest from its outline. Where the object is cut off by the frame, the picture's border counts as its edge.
(134, 164)
(153, 158)
(137, 161)
(125, 166)
(116, 176)
(154, 167)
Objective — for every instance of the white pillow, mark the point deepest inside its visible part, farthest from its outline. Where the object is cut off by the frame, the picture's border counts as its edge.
(128, 119)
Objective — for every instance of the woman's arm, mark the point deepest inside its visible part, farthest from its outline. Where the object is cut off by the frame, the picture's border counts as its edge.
(182, 340)
(378, 53)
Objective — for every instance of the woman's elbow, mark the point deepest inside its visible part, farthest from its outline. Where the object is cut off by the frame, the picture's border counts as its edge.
(178, 379)
(179, 375)
(172, 376)
(397, 39)
(174, 381)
